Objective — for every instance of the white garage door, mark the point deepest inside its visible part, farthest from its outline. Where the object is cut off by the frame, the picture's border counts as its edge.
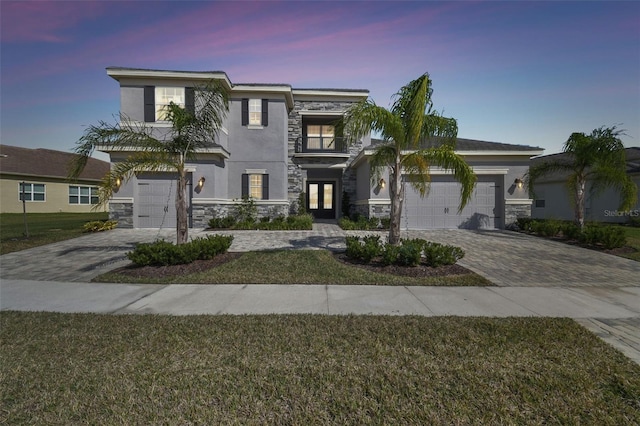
(439, 209)
(156, 200)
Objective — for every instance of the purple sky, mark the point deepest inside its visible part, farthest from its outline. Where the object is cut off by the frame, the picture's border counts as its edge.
(514, 72)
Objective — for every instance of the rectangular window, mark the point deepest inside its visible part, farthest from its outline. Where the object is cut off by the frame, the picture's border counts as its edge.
(255, 186)
(83, 195)
(164, 96)
(321, 137)
(255, 112)
(31, 191)
(540, 203)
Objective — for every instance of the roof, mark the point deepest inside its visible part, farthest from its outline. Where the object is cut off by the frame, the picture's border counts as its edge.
(46, 163)
(632, 154)
(464, 145)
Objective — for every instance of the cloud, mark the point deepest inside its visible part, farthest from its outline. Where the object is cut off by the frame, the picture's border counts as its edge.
(44, 21)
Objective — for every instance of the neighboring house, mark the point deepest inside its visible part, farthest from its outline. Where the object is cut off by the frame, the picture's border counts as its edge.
(279, 141)
(40, 176)
(553, 201)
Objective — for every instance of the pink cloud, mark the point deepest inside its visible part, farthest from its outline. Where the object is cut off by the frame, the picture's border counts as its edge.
(44, 21)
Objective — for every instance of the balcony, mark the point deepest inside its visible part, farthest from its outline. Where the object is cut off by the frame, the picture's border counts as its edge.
(321, 145)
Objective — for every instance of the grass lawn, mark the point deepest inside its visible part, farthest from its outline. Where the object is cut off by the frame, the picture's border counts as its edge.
(633, 240)
(312, 267)
(44, 228)
(305, 369)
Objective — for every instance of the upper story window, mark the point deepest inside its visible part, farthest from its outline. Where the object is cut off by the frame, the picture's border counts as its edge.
(31, 191)
(83, 195)
(157, 98)
(164, 96)
(255, 112)
(321, 137)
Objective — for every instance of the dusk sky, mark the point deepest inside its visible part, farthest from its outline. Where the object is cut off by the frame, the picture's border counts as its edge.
(526, 73)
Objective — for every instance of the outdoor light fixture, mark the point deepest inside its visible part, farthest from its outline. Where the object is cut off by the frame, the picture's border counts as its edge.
(118, 182)
(519, 183)
(201, 182)
(382, 183)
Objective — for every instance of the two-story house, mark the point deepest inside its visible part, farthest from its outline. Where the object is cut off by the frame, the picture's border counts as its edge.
(278, 141)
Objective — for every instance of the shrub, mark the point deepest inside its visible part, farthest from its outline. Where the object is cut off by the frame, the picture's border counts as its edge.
(385, 222)
(222, 223)
(609, 237)
(436, 254)
(99, 225)
(246, 211)
(390, 254)
(570, 230)
(524, 223)
(364, 250)
(634, 221)
(409, 253)
(163, 253)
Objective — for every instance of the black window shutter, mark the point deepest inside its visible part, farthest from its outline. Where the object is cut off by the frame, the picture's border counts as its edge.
(190, 99)
(265, 112)
(265, 187)
(149, 104)
(245, 185)
(245, 112)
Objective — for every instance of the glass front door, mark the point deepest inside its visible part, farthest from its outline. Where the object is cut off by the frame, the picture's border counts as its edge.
(321, 200)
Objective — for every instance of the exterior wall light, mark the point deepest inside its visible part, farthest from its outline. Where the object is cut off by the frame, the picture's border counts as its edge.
(118, 182)
(201, 182)
(382, 183)
(519, 183)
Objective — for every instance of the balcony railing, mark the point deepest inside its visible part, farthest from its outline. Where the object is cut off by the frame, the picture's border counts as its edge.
(320, 145)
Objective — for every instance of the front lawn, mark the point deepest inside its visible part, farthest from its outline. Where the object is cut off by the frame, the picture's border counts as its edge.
(288, 267)
(633, 240)
(306, 369)
(44, 228)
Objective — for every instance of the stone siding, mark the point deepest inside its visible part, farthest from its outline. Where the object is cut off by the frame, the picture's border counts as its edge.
(123, 213)
(202, 213)
(514, 211)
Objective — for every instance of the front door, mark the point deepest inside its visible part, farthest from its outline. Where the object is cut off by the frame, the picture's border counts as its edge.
(321, 201)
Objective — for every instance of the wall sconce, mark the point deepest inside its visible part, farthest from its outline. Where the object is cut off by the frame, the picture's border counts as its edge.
(118, 182)
(201, 182)
(382, 183)
(519, 183)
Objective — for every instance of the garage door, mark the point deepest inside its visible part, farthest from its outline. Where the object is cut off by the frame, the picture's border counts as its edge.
(439, 209)
(156, 200)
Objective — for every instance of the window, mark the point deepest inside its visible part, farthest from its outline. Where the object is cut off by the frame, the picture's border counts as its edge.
(255, 112)
(83, 195)
(255, 185)
(321, 137)
(540, 204)
(31, 191)
(164, 96)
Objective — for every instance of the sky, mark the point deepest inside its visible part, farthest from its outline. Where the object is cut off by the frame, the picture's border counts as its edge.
(518, 72)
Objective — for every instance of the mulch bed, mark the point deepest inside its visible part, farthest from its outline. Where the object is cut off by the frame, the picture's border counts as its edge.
(420, 271)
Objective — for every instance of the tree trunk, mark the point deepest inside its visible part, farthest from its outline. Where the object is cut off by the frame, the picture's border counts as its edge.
(182, 222)
(397, 194)
(580, 198)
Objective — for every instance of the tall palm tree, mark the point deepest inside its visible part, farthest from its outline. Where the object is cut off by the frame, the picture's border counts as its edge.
(192, 128)
(598, 158)
(414, 138)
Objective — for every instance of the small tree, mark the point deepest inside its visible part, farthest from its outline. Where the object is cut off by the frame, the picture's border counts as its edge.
(409, 131)
(192, 128)
(598, 158)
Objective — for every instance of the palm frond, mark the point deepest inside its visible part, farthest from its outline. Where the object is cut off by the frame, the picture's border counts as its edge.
(410, 105)
(365, 117)
(538, 171)
(383, 156)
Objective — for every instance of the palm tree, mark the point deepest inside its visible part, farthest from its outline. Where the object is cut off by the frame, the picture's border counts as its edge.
(598, 158)
(192, 128)
(414, 138)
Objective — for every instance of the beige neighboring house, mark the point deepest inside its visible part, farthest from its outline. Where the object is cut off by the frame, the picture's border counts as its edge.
(41, 175)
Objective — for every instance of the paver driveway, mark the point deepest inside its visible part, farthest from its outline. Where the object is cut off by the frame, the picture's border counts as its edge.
(506, 258)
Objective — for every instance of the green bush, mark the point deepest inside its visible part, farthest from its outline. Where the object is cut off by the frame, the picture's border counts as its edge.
(570, 230)
(226, 222)
(390, 254)
(609, 237)
(409, 253)
(524, 223)
(436, 254)
(634, 221)
(163, 253)
(246, 211)
(385, 222)
(364, 250)
(99, 225)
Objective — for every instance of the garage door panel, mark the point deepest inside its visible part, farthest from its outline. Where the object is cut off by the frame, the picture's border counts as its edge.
(439, 209)
(155, 201)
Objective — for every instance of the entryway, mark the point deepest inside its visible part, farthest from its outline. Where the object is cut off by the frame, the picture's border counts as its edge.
(321, 199)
